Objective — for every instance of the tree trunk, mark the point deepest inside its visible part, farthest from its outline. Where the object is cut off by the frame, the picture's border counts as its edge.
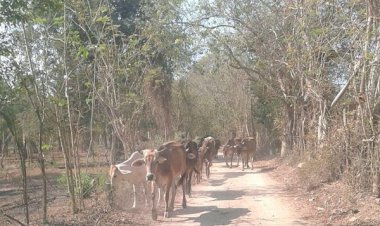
(22, 154)
(375, 184)
(67, 158)
(11, 124)
(113, 148)
(288, 131)
(322, 124)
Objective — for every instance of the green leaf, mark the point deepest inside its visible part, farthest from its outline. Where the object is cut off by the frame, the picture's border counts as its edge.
(83, 51)
(39, 20)
(45, 147)
(103, 19)
(58, 20)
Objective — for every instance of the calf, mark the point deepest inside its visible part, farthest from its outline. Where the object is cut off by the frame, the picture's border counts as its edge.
(163, 166)
(247, 148)
(134, 175)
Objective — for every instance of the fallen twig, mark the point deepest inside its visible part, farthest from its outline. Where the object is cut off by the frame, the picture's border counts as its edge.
(12, 218)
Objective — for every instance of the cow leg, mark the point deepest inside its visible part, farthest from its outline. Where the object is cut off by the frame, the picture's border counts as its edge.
(251, 162)
(242, 160)
(154, 211)
(199, 176)
(159, 195)
(232, 157)
(172, 197)
(188, 184)
(145, 193)
(208, 170)
(134, 196)
(167, 193)
(184, 204)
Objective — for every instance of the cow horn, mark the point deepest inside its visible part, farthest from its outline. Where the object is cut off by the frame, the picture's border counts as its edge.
(159, 151)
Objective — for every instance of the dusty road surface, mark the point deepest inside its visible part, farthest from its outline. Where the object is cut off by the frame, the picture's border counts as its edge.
(235, 197)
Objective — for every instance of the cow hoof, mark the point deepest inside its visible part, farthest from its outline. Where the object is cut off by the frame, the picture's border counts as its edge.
(166, 214)
(154, 215)
(184, 205)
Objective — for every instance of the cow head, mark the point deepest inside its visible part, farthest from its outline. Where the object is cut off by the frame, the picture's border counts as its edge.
(151, 159)
(126, 167)
(191, 149)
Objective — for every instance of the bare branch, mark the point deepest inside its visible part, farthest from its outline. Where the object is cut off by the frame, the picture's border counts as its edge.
(341, 92)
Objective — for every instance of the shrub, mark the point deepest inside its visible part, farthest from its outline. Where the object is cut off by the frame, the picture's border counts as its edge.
(87, 184)
(325, 168)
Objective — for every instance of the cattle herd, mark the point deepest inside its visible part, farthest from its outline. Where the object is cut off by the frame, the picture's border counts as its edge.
(175, 164)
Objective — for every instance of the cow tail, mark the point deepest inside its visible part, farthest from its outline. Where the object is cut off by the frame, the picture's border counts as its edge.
(196, 171)
(180, 181)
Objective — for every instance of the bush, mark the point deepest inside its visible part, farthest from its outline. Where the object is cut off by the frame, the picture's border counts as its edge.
(87, 184)
(327, 167)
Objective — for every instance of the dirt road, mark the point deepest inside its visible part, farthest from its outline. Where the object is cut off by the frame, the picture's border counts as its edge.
(235, 197)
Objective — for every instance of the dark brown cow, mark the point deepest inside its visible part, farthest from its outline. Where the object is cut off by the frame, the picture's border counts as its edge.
(164, 166)
(207, 153)
(191, 149)
(247, 148)
(237, 143)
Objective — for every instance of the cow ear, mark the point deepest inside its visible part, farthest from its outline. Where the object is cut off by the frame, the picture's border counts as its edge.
(161, 160)
(191, 156)
(138, 162)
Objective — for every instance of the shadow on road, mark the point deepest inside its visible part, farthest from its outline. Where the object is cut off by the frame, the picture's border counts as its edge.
(230, 195)
(211, 215)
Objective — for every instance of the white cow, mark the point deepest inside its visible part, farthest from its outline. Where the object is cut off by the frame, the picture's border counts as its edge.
(134, 175)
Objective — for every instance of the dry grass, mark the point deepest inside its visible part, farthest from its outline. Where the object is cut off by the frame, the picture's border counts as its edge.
(332, 199)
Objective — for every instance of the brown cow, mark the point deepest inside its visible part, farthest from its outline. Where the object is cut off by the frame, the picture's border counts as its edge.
(199, 167)
(228, 152)
(247, 148)
(163, 167)
(229, 149)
